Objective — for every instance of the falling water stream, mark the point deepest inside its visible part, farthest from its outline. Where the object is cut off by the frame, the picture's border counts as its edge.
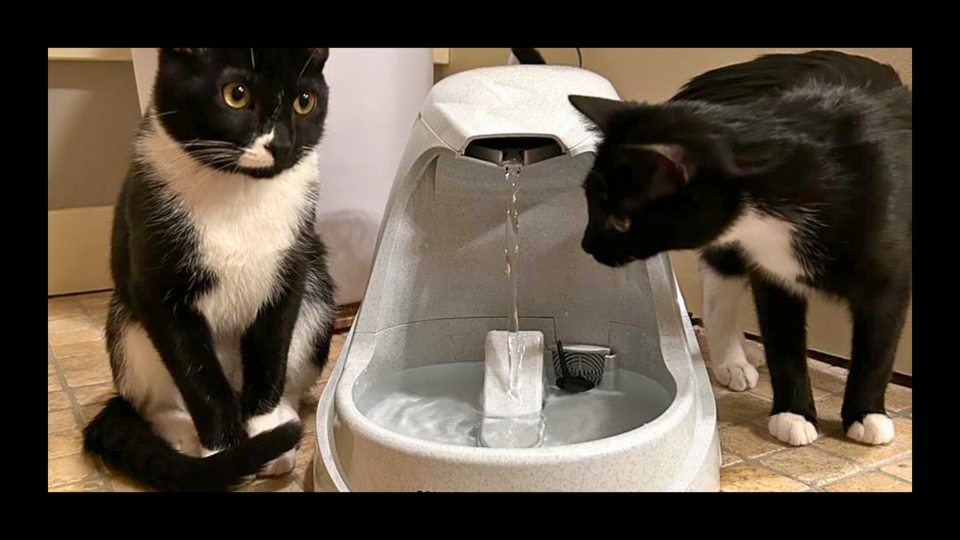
(511, 268)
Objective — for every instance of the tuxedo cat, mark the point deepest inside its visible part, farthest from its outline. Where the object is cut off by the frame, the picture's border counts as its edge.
(792, 174)
(223, 309)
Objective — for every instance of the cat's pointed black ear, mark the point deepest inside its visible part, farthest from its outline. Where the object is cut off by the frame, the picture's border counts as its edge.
(319, 57)
(673, 168)
(598, 110)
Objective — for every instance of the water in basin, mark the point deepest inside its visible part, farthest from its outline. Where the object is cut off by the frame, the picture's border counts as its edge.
(441, 403)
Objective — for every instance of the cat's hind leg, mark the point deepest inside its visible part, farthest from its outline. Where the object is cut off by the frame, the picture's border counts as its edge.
(721, 293)
(143, 380)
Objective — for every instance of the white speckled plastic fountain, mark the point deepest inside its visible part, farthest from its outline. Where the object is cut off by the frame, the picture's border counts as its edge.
(402, 409)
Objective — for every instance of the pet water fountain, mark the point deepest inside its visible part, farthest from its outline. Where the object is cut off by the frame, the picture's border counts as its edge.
(490, 352)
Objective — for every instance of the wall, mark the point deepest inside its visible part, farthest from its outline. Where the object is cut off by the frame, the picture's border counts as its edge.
(92, 116)
(655, 75)
(375, 96)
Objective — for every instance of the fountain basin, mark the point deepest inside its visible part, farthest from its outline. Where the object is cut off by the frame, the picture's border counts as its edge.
(437, 288)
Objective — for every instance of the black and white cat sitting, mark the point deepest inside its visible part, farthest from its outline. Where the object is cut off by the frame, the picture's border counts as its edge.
(223, 308)
(791, 173)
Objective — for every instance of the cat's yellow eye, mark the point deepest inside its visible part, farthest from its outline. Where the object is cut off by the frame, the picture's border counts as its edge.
(620, 224)
(305, 103)
(236, 95)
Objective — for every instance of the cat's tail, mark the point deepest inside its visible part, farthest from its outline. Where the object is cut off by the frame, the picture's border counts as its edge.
(124, 440)
(528, 56)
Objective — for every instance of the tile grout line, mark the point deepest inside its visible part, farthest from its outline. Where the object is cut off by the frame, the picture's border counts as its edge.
(65, 388)
(859, 468)
(75, 408)
(78, 418)
(895, 477)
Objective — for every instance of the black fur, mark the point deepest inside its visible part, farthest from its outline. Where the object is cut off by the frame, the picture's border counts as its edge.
(820, 132)
(123, 438)
(528, 56)
(158, 276)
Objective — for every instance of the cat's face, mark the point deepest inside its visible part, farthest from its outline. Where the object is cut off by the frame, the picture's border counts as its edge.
(255, 112)
(644, 196)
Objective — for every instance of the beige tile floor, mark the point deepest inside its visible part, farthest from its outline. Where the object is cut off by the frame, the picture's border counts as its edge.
(78, 382)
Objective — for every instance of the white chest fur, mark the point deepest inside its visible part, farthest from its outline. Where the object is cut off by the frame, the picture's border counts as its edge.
(768, 243)
(245, 227)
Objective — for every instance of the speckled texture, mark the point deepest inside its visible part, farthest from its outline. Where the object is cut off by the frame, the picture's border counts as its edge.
(437, 288)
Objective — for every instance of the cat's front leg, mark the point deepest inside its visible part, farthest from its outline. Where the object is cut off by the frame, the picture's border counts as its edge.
(721, 294)
(182, 339)
(877, 325)
(782, 316)
(264, 348)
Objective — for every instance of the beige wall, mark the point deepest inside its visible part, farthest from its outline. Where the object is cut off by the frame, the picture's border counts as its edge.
(655, 75)
(92, 115)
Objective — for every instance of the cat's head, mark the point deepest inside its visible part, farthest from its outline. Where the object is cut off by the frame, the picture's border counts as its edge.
(256, 112)
(656, 183)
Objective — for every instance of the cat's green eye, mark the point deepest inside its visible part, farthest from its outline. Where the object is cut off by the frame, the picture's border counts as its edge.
(305, 103)
(236, 95)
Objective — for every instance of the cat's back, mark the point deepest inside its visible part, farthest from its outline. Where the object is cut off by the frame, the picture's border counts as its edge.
(774, 75)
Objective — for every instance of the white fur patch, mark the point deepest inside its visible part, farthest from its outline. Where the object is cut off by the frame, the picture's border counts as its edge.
(767, 242)
(724, 339)
(256, 156)
(245, 225)
(875, 429)
(281, 465)
(144, 380)
(283, 413)
(792, 429)
(755, 354)
(177, 428)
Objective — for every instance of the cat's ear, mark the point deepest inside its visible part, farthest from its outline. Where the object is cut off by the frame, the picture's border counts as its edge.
(319, 57)
(598, 110)
(184, 51)
(672, 165)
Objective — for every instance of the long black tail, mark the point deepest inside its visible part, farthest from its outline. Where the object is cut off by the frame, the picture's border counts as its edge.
(773, 74)
(528, 56)
(124, 440)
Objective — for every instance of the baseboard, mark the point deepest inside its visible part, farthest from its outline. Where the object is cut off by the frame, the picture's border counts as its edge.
(901, 379)
(345, 316)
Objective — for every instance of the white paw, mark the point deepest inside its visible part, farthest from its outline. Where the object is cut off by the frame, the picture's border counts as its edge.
(176, 427)
(280, 466)
(792, 429)
(280, 415)
(737, 377)
(754, 353)
(875, 429)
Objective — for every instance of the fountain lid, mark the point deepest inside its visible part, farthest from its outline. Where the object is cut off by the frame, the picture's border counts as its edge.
(510, 101)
